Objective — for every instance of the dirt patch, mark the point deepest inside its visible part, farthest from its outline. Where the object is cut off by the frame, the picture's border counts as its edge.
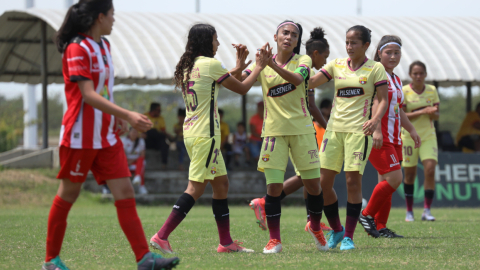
(27, 187)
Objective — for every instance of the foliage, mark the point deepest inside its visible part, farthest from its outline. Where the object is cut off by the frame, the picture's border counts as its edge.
(11, 123)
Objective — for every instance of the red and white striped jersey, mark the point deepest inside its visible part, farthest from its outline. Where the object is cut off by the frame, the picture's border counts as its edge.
(391, 126)
(84, 127)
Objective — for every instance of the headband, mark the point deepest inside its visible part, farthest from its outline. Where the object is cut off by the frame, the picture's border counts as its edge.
(390, 43)
(285, 23)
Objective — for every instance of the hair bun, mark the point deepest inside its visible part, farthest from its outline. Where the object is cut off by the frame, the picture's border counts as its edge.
(317, 33)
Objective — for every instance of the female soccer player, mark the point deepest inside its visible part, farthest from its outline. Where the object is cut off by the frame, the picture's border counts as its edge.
(422, 108)
(386, 154)
(89, 137)
(318, 49)
(348, 136)
(199, 75)
(288, 128)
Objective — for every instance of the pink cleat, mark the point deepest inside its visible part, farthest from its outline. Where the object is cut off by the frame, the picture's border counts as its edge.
(322, 225)
(258, 205)
(162, 245)
(233, 247)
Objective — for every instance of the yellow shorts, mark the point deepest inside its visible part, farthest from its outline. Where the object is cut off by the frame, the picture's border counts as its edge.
(206, 160)
(353, 148)
(302, 149)
(428, 150)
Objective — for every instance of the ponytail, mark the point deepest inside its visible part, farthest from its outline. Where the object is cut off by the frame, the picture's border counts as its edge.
(79, 19)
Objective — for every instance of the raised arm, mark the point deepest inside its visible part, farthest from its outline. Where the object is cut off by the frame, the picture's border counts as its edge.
(242, 53)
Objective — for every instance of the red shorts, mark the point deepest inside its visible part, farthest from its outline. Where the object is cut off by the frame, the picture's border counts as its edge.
(386, 159)
(105, 164)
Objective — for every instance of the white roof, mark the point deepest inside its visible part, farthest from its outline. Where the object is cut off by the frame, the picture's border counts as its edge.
(147, 46)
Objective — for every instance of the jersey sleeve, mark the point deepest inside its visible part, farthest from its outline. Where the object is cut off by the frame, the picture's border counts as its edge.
(436, 99)
(78, 62)
(217, 71)
(250, 68)
(329, 70)
(304, 64)
(379, 75)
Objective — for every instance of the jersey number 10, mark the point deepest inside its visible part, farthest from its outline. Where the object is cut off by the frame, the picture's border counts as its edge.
(190, 96)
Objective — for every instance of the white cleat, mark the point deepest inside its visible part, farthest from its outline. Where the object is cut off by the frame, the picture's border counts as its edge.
(427, 215)
(319, 238)
(142, 190)
(137, 180)
(273, 246)
(409, 217)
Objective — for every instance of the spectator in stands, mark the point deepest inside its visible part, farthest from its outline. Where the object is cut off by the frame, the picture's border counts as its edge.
(156, 137)
(225, 146)
(325, 108)
(256, 125)
(240, 144)
(134, 147)
(468, 137)
(178, 129)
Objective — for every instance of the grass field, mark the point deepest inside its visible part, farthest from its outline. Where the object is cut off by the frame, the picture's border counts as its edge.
(94, 239)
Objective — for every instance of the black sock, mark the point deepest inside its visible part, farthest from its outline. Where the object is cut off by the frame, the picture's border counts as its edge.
(331, 211)
(306, 206)
(222, 217)
(273, 211)
(184, 204)
(283, 195)
(315, 208)
(429, 193)
(220, 209)
(354, 209)
(408, 189)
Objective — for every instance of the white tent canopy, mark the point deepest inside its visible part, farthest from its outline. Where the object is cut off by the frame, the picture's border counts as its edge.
(147, 46)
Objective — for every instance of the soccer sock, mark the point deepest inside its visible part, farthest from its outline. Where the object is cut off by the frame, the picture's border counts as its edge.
(283, 195)
(428, 198)
(331, 212)
(132, 227)
(382, 191)
(353, 213)
(273, 211)
(179, 212)
(315, 208)
(306, 206)
(57, 225)
(222, 217)
(381, 217)
(408, 189)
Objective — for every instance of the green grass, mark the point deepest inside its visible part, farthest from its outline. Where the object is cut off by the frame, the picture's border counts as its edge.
(94, 239)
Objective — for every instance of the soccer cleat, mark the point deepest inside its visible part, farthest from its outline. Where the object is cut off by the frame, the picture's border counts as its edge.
(154, 261)
(137, 180)
(368, 224)
(162, 245)
(347, 243)
(409, 216)
(427, 215)
(322, 225)
(258, 205)
(273, 246)
(142, 190)
(387, 233)
(233, 247)
(105, 190)
(54, 264)
(318, 237)
(335, 237)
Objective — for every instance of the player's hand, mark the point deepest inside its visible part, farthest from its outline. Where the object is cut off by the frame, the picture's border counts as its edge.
(369, 127)
(377, 139)
(139, 121)
(242, 53)
(430, 110)
(121, 126)
(264, 55)
(416, 138)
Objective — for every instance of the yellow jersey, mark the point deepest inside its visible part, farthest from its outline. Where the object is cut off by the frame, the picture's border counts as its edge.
(354, 93)
(413, 102)
(158, 122)
(286, 105)
(200, 96)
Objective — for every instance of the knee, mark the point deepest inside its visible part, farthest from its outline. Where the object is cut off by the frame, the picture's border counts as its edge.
(430, 172)
(126, 192)
(274, 190)
(353, 185)
(312, 187)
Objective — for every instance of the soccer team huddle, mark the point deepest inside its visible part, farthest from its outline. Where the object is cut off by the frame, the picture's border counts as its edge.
(373, 118)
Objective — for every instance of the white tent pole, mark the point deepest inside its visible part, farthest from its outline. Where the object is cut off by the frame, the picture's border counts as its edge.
(30, 135)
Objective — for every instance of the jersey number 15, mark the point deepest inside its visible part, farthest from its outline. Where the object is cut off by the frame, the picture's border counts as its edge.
(190, 96)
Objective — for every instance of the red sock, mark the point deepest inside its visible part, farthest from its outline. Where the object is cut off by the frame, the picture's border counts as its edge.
(140, 169)
(57, 224)
(132, 227)
(382, 191)
(381, 217)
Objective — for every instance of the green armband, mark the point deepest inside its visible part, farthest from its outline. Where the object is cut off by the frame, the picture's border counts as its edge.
(303, 71)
